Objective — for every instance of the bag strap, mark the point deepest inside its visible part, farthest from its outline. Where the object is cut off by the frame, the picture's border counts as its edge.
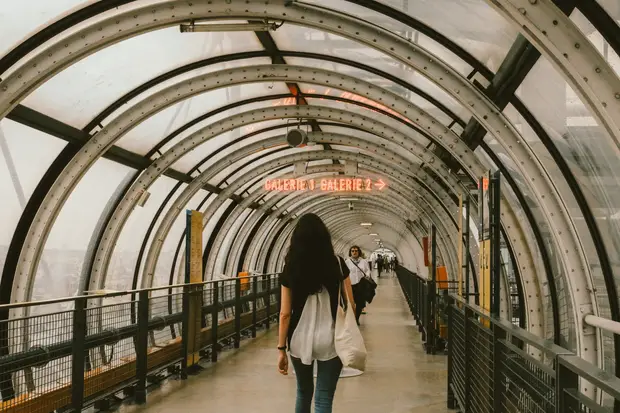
(358, 267)
(342, 296)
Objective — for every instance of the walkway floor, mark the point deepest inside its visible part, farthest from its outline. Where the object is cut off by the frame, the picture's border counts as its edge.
(400, 377)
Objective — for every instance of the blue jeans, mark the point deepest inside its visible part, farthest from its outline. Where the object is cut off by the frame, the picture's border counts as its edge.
(327, 378)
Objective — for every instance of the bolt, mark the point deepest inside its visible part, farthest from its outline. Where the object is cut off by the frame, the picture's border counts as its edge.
(577, 45)
(533, 1)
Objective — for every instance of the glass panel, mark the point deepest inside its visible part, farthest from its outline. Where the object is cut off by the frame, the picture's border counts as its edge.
(19, 20)
(243, 131)
(292, 37)
(118, 69)
(221, 261)
(21, 168)
(612, 7)
(472, 24)
(597, 40)
(366, 136)
(263, 159)
(589, 154)
(188, 161)
(169, 247)
(368, 113)
(123, 260)
(60, 274)
(148, 133)
(369, 77)
(208, 231)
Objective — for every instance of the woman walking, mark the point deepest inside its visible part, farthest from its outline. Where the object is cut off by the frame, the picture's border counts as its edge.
(310, 284)
(359, 269)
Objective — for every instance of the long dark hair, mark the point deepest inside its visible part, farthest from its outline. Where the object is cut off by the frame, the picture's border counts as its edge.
(310, 261)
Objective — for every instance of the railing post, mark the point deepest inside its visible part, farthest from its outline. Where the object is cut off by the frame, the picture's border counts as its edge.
(185, 332)
(237, 312)
(565, 379)
(254, 301)
(451, 402)
(499, 384)
(268, 302)
(142, 346)
(215, 311)
(79, 354)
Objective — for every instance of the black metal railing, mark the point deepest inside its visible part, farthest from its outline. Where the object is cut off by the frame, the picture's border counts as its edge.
(494, 366)
(430, 315)
(73, 352)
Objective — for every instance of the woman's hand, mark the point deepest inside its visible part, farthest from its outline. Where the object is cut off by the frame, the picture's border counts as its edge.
(283, 363)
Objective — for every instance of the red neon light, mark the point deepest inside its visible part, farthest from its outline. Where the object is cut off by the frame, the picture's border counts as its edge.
(345, 95)
(324, 185)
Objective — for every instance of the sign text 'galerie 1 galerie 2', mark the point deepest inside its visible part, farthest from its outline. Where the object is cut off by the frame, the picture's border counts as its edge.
(325, 184)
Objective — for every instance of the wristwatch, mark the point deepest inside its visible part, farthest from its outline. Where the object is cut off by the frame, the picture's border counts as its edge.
(283, 348)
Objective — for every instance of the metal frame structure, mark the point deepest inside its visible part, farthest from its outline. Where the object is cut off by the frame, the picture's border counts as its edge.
(541, 22)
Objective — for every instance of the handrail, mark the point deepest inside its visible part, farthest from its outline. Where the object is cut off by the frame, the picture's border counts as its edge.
(118, 293)
(605, 324)
(547, 346)
(601, 379)
(491, 365)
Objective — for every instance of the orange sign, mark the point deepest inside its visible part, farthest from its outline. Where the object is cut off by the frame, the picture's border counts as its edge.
(325, 185)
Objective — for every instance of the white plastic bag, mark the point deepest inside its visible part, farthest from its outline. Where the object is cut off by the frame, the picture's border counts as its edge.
(348, 338)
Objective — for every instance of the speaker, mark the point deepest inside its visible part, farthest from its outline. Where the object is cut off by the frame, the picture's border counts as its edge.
(296, 138)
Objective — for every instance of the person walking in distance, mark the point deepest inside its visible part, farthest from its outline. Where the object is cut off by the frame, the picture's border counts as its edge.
(359, 269)
(379, 265)
(310, 286)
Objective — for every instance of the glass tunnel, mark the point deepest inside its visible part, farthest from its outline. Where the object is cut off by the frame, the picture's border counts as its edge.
(386, 118)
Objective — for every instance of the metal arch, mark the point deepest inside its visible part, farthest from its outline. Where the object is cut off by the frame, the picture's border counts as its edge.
(556, 36)
(262, 53)
(397, 195)
(404, 241)
(293, 201)
(105, 131)
(316, 135)
(343, 225)
(261, 258)
(279, 240)
(522, 110)
(280, 244)
(340, 223)
(251, 226)
(284, 239)
(290, 158)
(443, 231)
(436, 209)
(242, 251)
(306, 11)
(267, 229)
(181, 201)
(188, 143)
(446, 247)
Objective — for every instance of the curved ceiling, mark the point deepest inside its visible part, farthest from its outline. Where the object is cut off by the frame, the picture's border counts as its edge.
(113, 121)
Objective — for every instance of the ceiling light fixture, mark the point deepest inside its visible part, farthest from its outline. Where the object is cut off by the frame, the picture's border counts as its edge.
(373, 235)
(366, 224)
(192, 27)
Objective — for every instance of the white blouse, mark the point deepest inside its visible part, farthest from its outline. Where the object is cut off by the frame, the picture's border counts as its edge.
(354, 272)
(313, 338)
